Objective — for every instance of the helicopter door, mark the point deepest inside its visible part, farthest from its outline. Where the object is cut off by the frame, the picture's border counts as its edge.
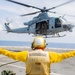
(57, 23)
(41, 27)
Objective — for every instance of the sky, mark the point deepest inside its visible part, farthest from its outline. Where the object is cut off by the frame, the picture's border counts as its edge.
(11, 12)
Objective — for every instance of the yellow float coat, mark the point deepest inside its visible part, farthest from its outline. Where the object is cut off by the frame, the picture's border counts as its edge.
(37, 62)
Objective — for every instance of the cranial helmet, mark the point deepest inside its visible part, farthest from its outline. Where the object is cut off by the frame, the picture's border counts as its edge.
(38, 43)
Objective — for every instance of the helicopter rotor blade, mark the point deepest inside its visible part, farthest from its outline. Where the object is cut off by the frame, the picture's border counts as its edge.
(30, 13)
(52, 12)
(60, 5)
(62, 14)
(23, 4)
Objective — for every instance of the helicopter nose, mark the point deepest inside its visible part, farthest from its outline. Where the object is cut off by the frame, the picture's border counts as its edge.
(71, 26)
(68, 27)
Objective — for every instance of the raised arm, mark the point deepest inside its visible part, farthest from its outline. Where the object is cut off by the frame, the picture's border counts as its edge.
(21, 56)
(57, 57)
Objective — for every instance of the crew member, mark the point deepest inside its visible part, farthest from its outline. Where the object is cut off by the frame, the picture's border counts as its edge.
(38, 61)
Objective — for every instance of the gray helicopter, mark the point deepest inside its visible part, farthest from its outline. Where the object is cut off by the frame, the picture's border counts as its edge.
(42, 24)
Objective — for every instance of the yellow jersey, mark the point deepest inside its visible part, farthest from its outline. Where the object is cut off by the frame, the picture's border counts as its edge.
(37, 62)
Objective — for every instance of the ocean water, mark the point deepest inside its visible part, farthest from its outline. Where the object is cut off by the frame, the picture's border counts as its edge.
(28, 44)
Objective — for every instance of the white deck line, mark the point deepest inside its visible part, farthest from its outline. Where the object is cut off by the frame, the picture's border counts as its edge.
(13, 65)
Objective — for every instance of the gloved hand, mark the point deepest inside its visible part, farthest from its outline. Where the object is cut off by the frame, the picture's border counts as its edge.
(7, 72)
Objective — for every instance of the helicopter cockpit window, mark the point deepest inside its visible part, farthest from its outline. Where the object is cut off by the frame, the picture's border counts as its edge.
(57, 23)
(41, 27)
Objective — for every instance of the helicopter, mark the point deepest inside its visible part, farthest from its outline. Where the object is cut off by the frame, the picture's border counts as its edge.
(42, 24)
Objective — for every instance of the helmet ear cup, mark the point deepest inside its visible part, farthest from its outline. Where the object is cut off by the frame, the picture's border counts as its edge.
(45, 44)
(32, 45)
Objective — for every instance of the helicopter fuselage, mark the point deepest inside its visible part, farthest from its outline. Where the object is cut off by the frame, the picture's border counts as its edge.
(47, 26)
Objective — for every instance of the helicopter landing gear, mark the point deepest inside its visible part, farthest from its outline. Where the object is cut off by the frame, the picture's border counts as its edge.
(54, 36)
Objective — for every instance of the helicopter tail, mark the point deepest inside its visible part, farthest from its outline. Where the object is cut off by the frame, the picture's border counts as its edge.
(7, 27)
